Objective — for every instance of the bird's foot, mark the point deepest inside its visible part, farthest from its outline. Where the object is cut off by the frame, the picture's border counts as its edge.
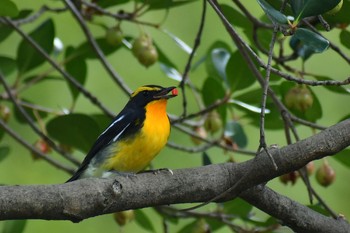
(114, 173)
(157, 171)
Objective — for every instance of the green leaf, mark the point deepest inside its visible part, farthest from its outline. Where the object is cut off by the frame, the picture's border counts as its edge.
(8, 8)
(188, 227)
(235, 17)
(143, 221)
(27, 57)
(102, 120)
(211, 92)
(14, 226)
(110, 3)
(238, 207)
(217, 57)
(216, 63)
(85, 51)
(205, 159)
(7, 65)
(77, 68)
(336, 89)
(320, 209)
(345, 38)
(239, 75)
(274, 14)
(314, 41)
(20, 118)
(342, 17)
(5, 30)
(76, 130)
(343, 157)
(305, 42)
(164, 4)
(4, 152)
(306, 8)
(273, 119)
(163, 58)
(234, 130)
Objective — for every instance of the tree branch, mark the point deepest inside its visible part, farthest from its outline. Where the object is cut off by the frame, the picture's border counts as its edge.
(91, 197)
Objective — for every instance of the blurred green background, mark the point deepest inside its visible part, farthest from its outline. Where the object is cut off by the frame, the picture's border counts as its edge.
(19, 168)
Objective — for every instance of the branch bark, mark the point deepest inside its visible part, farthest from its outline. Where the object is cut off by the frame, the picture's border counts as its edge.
(91, 197)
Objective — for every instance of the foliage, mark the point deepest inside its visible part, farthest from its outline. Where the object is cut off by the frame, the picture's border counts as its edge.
(223, 78)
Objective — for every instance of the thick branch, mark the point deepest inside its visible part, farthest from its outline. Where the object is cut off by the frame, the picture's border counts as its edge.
(90, 197)
(293, 214)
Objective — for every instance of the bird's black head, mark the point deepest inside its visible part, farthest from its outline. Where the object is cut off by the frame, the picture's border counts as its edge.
(149, 93)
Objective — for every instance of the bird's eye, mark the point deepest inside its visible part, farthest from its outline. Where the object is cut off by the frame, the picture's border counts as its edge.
(145, 93)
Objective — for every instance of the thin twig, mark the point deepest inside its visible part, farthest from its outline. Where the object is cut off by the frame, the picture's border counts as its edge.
(36, 15)
(189, 62)
(262, 140)
(97, 48)
(67, 76)
(33, 126)
(27, 145)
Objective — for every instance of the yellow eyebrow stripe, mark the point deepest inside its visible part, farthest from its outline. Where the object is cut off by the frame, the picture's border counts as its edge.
(144, 88)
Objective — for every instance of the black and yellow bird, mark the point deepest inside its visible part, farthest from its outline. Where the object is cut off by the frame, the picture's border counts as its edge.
(134, 137)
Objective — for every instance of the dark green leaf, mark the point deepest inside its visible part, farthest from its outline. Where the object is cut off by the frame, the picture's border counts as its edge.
(34, 78)
(76, 130)
(239, 75)
(343, 157)
(14, 226)
(342, 17)
(336, 89)
(320, 209)
(143, 221)
(4, 151)
(5, 30)
(165, 4)
(344, 118)
(7, 65)
(345, 38)
(163, 58)
(188, 228)
(77, 68)
(238, 207)
(300, 48)
(272, 117)
(20, 118)
(315, 42)
(205, 159)
(234, 130)
(274, 14)
(110, 3)
(235, 17)
(216, 63)
(27, 57)
(211, 92)
(85, 51)
(305, 8)
(102, 120)
(8, 8)
(305, 42)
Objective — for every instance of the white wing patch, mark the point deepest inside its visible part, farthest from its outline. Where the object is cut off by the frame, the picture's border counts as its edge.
(111, 125)
(120, 133)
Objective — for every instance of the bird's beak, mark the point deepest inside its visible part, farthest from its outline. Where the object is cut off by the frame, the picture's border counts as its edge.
(167, 93)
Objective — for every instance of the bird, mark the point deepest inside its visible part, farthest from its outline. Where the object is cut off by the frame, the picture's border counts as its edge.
(135, 136)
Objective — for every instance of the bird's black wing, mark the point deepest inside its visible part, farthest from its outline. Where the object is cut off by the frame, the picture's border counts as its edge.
(119, 127)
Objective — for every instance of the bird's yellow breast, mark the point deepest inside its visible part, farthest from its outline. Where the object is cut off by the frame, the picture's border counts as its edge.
(135, 153)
